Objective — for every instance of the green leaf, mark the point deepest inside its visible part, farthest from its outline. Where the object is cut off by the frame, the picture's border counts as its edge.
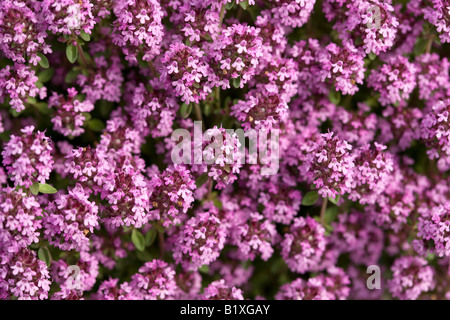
(244, 4)
(150, 237)
(372, 56)
(229, 5)
(420, 46)
(72, 75)
(44, 61)
(35, 188)
(310, 198)
(335, 200)
(138, 240)
(96, 125)
(14, 113)
(85, 36)
(46, 188)
(201, 180)
(204, 268)
(72, 53)
(45, 255)
(236, 82)
(207, 108)
(185, 110)
(335, 97)
(331, 214)
(46, 75)
(87, 116)
(42, 107)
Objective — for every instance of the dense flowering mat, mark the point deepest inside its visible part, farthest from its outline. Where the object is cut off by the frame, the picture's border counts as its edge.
(257, 149)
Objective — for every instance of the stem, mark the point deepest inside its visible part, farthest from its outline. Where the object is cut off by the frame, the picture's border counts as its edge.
(198, 112)
(198, 115)
(429, 44)
(82, 55)
(322, 211)
(161, 244)
(217, 95)
(221, 15)
(152, 69)
(210, 187)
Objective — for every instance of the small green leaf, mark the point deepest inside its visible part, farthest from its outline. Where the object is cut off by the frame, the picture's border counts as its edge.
(335, 200)
(46, 75)
(44, 61)
(35, 188)
(207, 109)
(46, 188)
(44, 255)
(372, 56)
(204, 268)
(310, 198)
(236, 82)
(330, 214)
(72, 53)
(201, 180)
(85, 36)
(42, 107)
(229, 5)
(96, 125)
(185, 110)
(150, 237)
(14, 113)
(87, 116)
(72, 75)
(138, 240)
(244, 4)
(335, 97)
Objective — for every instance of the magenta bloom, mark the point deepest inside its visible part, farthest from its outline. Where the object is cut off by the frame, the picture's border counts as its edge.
(411, 277)
(28, 158)
(155, 280)
(138, 29)
(304, 244)
(199, 241)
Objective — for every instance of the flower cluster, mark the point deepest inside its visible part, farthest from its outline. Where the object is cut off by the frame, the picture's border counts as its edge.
(28, 157)
(187, 149)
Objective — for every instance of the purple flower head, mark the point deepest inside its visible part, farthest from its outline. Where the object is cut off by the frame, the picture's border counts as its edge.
(394, 81)
(19, 218)
(69, 114)
(69, 220)
(28, 157)
(171, 195)
(200, 240)
(23, 275)
(218, 290)
(155, 280)
(22, 31)
(329, 165)
(304, 244)
(186, 70)
(411, 276)
(138, 29)
(235, 54)
(18, 83)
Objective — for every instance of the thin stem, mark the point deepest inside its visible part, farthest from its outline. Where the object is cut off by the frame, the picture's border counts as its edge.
(152, 69)
(210, 187)
(198, 115)
(322, 211)
(429, 44)
(82, 55)
(161, 244)
(221, 15)
(217, 96)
